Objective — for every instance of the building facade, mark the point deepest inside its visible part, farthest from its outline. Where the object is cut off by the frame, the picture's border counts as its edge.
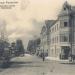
(58, 36)
(48, 23)
(62, 32)
(45, 37)
(43, 44)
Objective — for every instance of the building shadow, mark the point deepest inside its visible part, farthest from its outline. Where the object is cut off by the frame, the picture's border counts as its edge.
(5, 65)
(19, 65)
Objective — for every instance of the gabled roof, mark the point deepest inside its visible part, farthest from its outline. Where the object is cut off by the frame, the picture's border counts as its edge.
(67, 5)
(66, 9)
(43, 29)
(49, 23)
(70, 9)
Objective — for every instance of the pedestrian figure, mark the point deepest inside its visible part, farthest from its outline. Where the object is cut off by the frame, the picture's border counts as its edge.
(43, 57)
(43, 73)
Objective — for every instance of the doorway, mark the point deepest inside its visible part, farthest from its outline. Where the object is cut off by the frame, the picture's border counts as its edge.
(65, 50)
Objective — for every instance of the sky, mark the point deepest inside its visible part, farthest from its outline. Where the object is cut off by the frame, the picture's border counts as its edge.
(26, 19)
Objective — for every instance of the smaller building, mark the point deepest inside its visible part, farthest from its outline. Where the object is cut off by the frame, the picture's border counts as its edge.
(45, 37)
(31, 47)
(34, 46)
(43, 44)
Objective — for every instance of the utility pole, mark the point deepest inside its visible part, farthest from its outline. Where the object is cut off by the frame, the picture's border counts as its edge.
(43, 49)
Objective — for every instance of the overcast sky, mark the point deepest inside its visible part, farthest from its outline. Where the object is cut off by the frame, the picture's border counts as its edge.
(26, 19)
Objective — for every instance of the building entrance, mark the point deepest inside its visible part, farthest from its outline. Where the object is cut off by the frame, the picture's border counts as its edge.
(65, 50)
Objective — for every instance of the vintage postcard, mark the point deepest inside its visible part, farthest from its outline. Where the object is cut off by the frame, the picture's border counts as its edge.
(37, 37)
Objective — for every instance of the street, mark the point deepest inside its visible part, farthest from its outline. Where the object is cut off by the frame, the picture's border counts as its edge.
(33, 65)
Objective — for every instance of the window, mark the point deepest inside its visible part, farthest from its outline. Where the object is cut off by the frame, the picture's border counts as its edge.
(53, 29)
(57, 26)
(64, 38)
(65, 24)
(57, 39)
(64, 8)
(52, 40)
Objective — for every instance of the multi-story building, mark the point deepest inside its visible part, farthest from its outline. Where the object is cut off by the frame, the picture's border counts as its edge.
(58, 36)
(43, 36)
(62, 32)
(48, 23)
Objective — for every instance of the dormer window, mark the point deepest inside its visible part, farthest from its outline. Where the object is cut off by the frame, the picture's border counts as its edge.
(64, 8)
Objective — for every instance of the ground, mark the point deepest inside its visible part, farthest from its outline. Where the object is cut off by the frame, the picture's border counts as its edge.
(33, 65)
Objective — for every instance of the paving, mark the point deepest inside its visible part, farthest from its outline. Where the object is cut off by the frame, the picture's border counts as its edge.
(33, 65)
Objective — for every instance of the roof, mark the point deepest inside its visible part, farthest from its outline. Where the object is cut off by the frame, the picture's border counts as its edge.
(43, 29)
(49, 23)
(71, 10)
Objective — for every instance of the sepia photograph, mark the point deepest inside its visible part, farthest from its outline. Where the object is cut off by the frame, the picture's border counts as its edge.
(37, 37)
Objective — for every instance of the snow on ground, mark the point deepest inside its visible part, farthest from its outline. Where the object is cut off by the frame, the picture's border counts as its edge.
(28, 55)
(21, 58)
(54, 58)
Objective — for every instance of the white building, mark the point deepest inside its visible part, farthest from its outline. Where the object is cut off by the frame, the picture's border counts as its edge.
(62, 33)
(58, 36)
(43, 36)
